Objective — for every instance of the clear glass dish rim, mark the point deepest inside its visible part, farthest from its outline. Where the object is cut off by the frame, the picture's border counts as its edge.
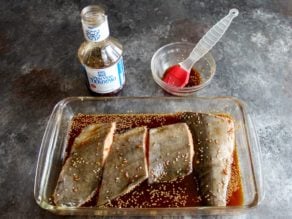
(198, 210)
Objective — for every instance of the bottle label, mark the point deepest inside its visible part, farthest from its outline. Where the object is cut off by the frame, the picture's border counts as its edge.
(106, 80)
(96, 34)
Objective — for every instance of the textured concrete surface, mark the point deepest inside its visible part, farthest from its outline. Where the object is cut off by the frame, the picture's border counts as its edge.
(39, 67)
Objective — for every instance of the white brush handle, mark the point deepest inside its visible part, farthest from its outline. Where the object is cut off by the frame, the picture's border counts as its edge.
(209, 40)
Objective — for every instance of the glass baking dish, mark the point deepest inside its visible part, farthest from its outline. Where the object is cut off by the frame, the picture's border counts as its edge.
(54, 143)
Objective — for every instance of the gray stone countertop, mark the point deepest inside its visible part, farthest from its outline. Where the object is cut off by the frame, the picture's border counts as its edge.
(39, 67)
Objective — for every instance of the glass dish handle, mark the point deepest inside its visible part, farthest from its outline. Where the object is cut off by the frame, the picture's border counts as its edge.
(42, 161)
(257, 158)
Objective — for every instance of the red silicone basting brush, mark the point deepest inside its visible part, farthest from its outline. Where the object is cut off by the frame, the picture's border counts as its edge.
(178, 75)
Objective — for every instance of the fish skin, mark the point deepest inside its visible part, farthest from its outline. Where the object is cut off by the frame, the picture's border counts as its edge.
(214, 142)
(126, 165)
(81, 174)
(171, 153)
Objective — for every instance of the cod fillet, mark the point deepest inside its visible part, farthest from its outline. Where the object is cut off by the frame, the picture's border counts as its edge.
(81, 174)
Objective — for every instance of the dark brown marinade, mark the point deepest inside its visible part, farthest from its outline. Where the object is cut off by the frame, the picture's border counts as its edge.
(195, 78)
(180, 193)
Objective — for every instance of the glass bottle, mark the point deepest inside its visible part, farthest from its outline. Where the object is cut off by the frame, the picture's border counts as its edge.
(100, 54)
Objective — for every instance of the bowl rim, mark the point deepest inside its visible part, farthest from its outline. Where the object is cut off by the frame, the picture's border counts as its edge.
(168, 87)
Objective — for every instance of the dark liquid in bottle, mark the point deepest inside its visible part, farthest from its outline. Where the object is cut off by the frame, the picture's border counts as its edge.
(95, 56)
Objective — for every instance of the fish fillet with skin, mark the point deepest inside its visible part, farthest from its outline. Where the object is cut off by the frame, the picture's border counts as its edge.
(171, 153)
(126, 165)
(214, 141)
(81, 173)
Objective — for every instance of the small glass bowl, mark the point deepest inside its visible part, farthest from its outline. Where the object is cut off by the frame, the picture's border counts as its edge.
(174, 53)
